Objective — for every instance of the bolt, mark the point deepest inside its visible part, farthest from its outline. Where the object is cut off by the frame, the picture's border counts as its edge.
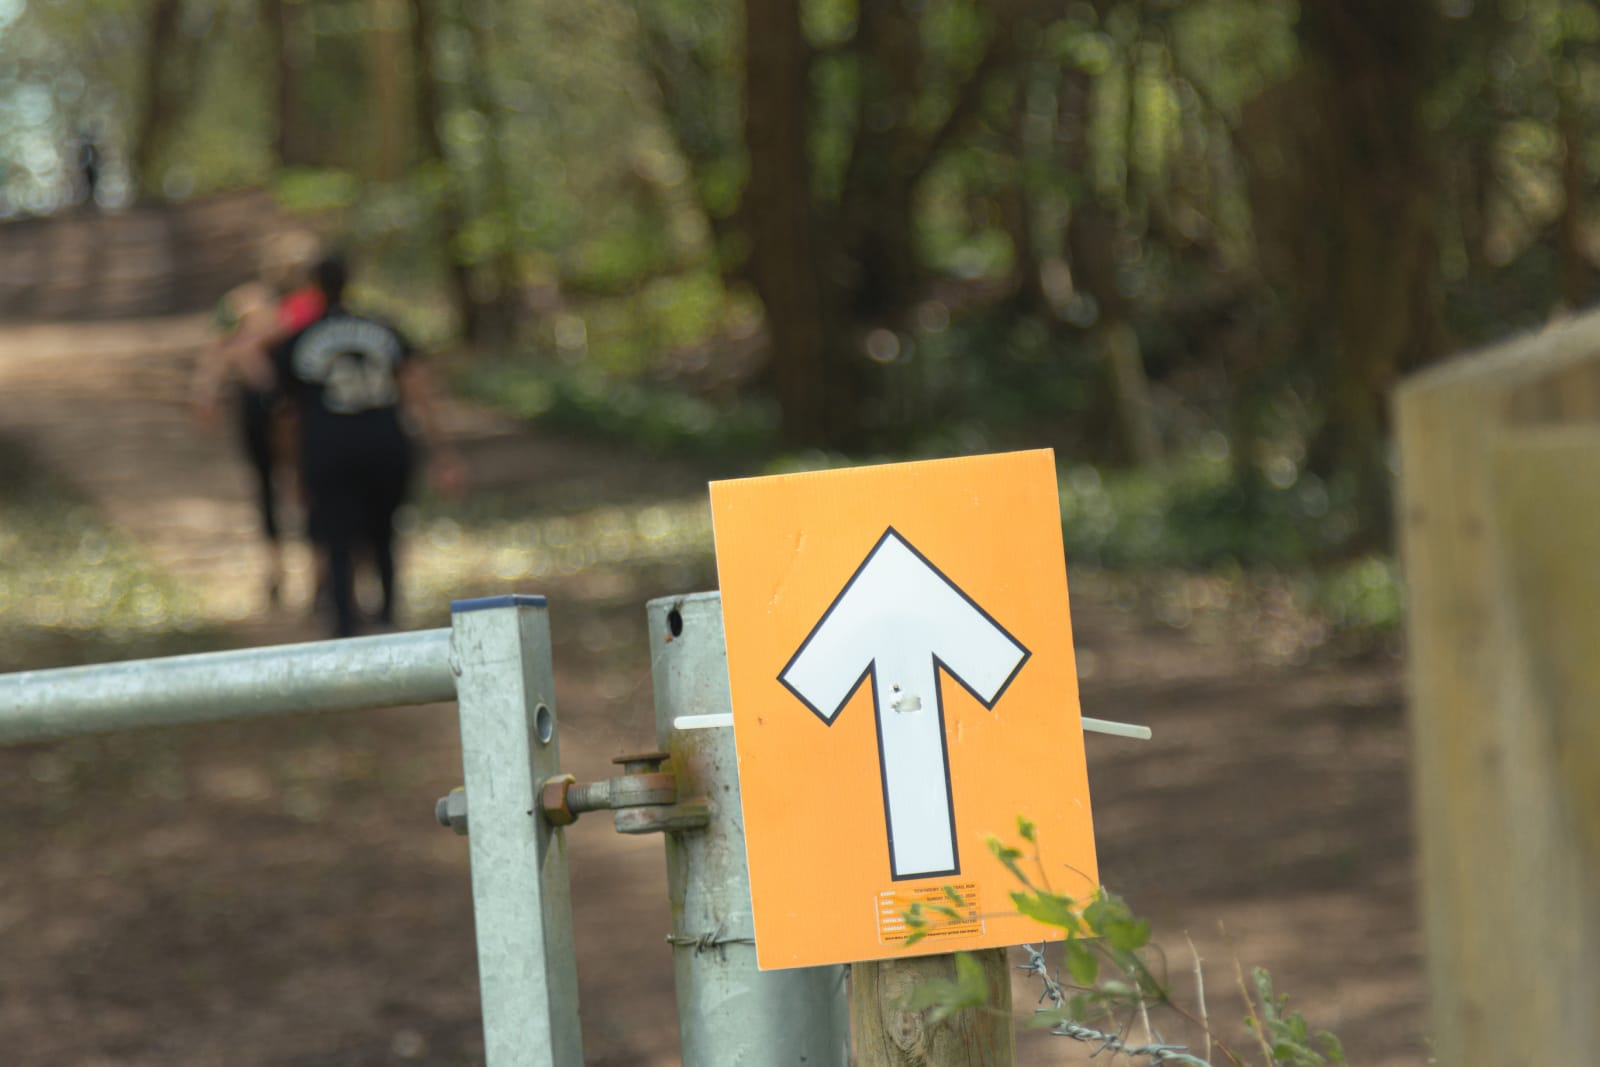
(553, 801)
(642, 762)
(451, 810)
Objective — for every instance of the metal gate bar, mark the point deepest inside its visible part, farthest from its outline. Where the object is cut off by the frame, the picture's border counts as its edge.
(348, 675)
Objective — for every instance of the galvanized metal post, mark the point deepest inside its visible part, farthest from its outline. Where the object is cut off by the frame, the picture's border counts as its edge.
(730, 1014)
(521, 895)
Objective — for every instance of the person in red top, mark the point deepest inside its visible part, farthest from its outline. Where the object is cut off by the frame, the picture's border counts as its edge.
(299, 309)
(250, 319)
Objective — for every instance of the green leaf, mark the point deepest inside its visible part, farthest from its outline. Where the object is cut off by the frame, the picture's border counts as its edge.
(1104, 912)
(1128, 935)
(1263, 982)
(1113, 988)
(955, 898)
(1049, 1017)
(973, 982)
(1081, 963)
(1049, 909)
(947, 911)
(1008, 856)
(1331, 1045)
(1025, 828)
(944, 998)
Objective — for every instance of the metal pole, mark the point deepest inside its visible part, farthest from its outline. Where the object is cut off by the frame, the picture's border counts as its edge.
(521, 896)
(730, 1014)
(348, 675)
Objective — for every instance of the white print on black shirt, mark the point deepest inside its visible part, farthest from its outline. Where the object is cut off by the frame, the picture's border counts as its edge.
(353, 360)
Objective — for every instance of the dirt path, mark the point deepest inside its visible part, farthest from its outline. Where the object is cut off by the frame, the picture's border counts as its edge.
(276, 894)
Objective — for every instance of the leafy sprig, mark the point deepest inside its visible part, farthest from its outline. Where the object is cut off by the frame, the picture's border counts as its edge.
(1111, 966)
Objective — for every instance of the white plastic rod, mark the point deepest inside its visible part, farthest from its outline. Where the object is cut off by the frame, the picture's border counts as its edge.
(1098, 726)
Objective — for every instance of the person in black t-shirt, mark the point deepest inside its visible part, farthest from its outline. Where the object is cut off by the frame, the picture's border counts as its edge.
(358, 384)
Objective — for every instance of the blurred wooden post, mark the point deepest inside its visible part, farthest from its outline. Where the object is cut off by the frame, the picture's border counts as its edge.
(884, 1033)
(1500, 536)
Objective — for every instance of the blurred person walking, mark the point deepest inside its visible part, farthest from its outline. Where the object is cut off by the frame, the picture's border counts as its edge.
(250, 319)
(358, 386)
(89, 171)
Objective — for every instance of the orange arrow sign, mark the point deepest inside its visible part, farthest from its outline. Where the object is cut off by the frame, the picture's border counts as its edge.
(933, 595)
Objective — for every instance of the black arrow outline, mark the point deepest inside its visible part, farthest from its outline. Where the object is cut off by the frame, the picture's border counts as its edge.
(871, 672)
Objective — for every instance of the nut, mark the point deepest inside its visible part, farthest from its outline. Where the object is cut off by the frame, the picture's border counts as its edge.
(553, 801)
(451, 810)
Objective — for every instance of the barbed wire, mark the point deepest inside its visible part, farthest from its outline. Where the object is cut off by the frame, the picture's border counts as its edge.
(712, 939)
(1156, 1051)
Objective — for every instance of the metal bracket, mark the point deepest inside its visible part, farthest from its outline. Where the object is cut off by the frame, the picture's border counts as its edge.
(644, 798)
(692, 814)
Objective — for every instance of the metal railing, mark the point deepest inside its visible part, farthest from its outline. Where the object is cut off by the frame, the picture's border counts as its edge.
(350, 675)
(495, 661)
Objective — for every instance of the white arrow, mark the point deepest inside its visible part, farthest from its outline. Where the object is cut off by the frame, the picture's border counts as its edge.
(897, 621)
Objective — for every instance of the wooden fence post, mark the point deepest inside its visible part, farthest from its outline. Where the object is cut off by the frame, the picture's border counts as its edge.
(1500, 536)
(885, 1033)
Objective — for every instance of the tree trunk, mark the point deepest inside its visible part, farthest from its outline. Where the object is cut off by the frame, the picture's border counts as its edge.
(692, 85)
(885, 1033)
(501, 269)
(777, 214)
(430, 126)
(1347, 226)
(1575, 270)
(1019, 213)
(1093, 231)
(386, 48)
(876, 203)
(829, 272)
(1370, 63)
(157, 93)
(273, 19)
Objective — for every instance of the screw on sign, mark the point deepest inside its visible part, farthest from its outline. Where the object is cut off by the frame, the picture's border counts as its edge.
(903, 686)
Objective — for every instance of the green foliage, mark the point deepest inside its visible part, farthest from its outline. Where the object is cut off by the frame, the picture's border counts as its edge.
(943, 997)
(1288, 1034)
(589, 402)
(1195, 513)
(1364, 594)
(309, 190)
(1104, 953)
(1192, 515)
(603, 159)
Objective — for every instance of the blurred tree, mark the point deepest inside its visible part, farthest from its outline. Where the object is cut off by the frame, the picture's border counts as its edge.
(1098, 229)
(496, 276)
(1122, 223)
(438, 171)
(833, 233)
(287, 43)
(388, 85)
(1344, 174)
(162, 87)
(1579, 28)
(815, 397)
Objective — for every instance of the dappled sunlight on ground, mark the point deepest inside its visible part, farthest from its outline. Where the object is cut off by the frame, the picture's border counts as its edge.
(446, 559)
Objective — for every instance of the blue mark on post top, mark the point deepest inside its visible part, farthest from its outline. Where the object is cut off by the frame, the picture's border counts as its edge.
(485, 603)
